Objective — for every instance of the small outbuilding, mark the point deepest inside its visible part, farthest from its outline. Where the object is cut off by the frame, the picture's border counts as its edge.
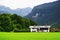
(39, 28)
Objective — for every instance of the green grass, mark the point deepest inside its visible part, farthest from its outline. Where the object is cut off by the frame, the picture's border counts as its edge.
(29, 36)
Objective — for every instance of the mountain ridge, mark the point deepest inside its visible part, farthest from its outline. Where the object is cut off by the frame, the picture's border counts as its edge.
(18, 11)
(47, 13)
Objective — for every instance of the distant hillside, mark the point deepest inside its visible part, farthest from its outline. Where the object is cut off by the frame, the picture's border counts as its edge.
(18, 11)
(48, 13)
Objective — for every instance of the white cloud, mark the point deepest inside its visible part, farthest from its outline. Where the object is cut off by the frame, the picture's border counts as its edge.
(23, 3)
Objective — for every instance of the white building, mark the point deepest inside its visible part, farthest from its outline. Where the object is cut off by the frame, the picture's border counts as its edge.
(40, 28)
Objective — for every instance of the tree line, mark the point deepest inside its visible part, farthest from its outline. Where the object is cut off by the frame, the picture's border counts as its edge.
(14, 23)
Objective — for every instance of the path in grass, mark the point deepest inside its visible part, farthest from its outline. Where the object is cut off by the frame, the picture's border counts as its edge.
(29, 36)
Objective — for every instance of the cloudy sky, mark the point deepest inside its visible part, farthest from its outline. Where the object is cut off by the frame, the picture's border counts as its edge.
(13, 4)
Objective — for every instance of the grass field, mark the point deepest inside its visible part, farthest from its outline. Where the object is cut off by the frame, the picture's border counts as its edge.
(29, 36)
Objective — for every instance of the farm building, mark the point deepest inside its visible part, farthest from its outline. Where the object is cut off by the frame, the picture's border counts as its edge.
(39, 28)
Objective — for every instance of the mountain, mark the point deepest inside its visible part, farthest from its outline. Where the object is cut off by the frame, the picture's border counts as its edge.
(4, 9)
(18, 11)
(48, 13)
(24, 11)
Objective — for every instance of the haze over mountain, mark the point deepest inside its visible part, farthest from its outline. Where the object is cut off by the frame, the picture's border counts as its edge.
(48, 13)
(18, 11)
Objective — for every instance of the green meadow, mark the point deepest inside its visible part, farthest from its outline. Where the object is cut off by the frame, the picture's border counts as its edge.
(29, 36)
